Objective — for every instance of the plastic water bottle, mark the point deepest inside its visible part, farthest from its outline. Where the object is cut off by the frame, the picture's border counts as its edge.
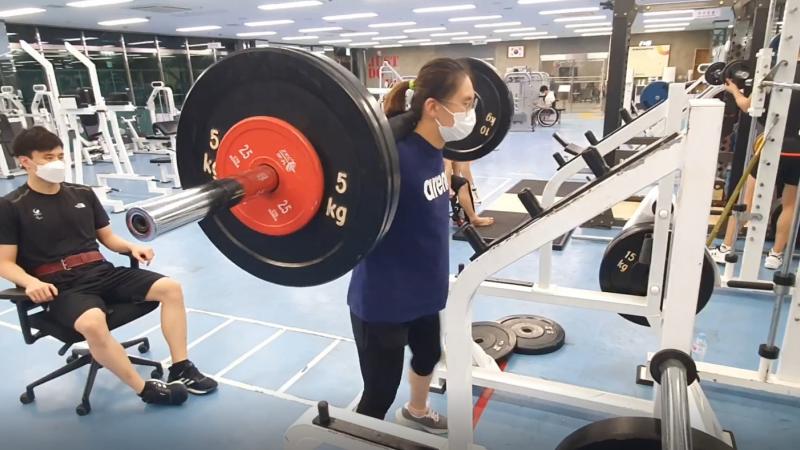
(699, 347)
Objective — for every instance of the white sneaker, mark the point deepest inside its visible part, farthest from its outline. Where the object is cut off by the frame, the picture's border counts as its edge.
(719, 253)
(773, 261)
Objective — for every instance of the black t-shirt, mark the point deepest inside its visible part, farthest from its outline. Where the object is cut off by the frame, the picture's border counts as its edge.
(46, 228)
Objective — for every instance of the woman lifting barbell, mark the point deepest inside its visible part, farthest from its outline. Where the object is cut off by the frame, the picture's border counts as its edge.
(788, 176)
(397, 291)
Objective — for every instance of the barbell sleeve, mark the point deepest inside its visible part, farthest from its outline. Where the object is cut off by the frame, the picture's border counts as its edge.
(676, 429)
(154, 218)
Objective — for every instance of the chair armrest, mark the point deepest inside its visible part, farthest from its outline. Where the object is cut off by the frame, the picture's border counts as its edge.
(24, 304)
(132, 261)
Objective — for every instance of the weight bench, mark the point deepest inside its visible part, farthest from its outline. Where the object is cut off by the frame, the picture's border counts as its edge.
(166, 131)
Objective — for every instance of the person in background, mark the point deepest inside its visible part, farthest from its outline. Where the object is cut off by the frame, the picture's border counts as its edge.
(788, 177)
(461, 197)
(547, 96)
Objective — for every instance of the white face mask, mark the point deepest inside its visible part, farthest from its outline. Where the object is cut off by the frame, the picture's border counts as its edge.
(463, 124)
(53, 172)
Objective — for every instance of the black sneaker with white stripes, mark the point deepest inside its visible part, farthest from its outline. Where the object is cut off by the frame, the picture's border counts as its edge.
(195, 382)
(160, 393)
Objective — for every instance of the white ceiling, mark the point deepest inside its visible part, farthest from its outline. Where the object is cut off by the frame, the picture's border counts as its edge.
(165, 16)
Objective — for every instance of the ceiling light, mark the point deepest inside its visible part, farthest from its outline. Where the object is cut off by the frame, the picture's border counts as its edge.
(452, 33)
(389, 38)
(596, 34)
(391, 24)
(534, 33)
(267, 23)
(289, 5)
(669, 13)
(468, 38)
(111, 23)
(336, 41)
(434, 9)
(536, 2)
(584, 25)
(536, 38)
(90, 3)
(426, 44)
(353, 16)
(664, 30)
(669, 19)
(299, 38)
(494, 40)
(360, 33)
(256, 33)
(20, 12)
(499, 24)
(667, 25)
(592, 30)
(474, 18)
(11, 34)
(319, 30)
(78, 39)
(141, 42)
(730, 26)
(362, 44)
(199, 28)
(515, 30)
(569, 10)
(388, 46)
(424, 30)
(579, 18)
(413, 41)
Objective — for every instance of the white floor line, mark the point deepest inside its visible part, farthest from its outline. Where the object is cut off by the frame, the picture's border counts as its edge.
(13, 308)
(146, 332)
(202, 338)
(270, 324)
(486, 197)
(261, 390)
(308, 366)
(249, 353)
(11, 325)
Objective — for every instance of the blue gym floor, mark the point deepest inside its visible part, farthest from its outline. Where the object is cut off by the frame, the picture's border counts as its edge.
(278, 350)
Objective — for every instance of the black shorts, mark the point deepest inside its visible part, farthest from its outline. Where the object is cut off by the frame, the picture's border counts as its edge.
(95, 286)
(788, 171)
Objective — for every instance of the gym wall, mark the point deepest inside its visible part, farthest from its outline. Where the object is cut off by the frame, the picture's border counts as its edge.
(410, 60)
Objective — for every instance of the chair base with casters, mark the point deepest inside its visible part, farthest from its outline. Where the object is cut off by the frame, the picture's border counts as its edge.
(37, 323)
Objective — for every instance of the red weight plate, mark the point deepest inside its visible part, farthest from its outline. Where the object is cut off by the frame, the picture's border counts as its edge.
(262, 140)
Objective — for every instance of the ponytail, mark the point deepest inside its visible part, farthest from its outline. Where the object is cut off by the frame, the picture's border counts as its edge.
(394, 103)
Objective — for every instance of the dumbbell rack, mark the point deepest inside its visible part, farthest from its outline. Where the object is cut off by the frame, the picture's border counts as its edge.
(659, 162)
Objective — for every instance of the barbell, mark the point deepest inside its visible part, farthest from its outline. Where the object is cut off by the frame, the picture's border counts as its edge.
(290, 166)
(736, 70)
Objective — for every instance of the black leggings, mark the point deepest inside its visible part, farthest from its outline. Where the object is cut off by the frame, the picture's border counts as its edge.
(381, 351)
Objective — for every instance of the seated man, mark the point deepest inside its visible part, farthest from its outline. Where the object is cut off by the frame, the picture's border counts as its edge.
(547, 96)
(461, 200)
(48, 246)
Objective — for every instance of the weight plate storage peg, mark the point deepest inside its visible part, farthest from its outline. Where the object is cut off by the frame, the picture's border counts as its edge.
(497, 340)
(326, 139)
(622, 272)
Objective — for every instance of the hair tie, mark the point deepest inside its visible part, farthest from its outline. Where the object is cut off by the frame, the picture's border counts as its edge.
(412, 84)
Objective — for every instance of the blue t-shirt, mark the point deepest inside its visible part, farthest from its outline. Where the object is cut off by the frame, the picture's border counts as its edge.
(406, 276)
